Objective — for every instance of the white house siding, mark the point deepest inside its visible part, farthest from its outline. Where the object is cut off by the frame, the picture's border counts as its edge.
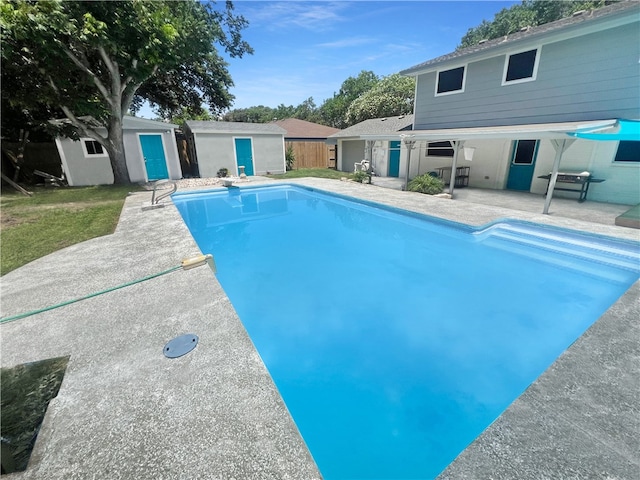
(217, 150)
(135, 159)
(81, 170)
(96, 170)
(591, 77)
(350, 152)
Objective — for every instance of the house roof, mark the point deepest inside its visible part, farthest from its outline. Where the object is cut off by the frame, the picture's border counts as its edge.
(128, 123)
(580, 23)
(297, 128)
(234, 127)
(377, 126)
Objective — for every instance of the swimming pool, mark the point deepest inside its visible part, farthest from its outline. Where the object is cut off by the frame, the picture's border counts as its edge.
(393, 338)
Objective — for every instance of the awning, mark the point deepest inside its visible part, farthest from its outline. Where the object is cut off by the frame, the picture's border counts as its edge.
(561, 135)
(512, 132)
(623, 130)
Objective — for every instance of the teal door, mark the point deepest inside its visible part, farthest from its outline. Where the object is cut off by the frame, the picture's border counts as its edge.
(154, 159)
(244, 156)
(522, 165)
(394, 159)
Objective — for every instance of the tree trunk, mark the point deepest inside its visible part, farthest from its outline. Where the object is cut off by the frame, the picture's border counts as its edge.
(115, 149)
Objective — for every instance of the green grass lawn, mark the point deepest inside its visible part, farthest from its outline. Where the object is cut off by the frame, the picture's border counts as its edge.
(54, 218)
(312, 172)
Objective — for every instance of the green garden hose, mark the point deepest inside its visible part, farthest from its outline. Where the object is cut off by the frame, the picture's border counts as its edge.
(185, 265)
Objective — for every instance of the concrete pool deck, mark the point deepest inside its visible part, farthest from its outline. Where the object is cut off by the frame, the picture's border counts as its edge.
(126, 411)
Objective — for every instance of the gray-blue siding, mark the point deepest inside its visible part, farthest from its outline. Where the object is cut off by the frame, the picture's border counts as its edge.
(591, 77)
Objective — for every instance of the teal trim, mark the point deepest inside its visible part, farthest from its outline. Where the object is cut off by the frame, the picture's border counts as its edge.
(394, 158)
(244, 155)
(522, 165)
(154, 159)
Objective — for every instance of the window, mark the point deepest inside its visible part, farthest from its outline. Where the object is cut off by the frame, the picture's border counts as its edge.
(92, 148)
(525, 152)
(450, 81)
(439, 149)
(628, 151)
(521, 67)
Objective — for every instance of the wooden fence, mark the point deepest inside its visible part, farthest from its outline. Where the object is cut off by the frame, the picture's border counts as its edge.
(313, 154)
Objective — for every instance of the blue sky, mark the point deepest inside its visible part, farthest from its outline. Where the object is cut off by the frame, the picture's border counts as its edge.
(308, 48)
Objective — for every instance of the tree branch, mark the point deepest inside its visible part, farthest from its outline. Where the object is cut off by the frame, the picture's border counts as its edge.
(103, 90)
(83, 128)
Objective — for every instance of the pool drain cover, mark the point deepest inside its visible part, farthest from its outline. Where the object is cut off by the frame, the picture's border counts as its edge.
(181, 345)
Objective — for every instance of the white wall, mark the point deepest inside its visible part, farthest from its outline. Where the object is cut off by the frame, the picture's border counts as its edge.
(80, 169)
(216, 151)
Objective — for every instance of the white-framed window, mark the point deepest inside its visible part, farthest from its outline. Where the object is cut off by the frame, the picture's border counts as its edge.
(92, 148)
(521, 67)
(451, 81)
(628, 152)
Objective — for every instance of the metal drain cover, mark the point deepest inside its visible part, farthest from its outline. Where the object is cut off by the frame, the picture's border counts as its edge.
(180, 346)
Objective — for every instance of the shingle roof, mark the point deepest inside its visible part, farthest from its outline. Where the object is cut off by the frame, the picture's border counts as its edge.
(576, 20)
(233, 127)
(377, 126)
(297, 128)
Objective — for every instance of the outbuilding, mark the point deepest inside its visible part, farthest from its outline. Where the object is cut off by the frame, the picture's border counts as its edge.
(150, 149)
(258, 147)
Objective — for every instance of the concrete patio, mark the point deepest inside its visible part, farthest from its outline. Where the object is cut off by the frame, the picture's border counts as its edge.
(125, 411)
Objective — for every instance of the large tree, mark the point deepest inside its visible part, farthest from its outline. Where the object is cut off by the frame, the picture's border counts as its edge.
(529, 13)
(393, 95)
(333, 111)
(95, 60)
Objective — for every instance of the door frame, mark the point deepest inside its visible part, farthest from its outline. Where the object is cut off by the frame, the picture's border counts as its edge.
(235, 155)
(164, 152)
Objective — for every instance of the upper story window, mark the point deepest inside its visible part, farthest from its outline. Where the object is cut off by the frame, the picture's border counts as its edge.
(628, 151)
(521, 67)
(92, 148)
(440, 149)
(450, 81)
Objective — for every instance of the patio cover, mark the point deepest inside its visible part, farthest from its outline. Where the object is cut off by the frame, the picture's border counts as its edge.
(623, 130)
(561, 135)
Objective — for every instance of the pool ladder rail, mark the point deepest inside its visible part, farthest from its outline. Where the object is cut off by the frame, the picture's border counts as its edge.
(169, 185)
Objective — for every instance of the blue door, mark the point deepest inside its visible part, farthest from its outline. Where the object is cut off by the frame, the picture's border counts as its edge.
(244, 156)
(394, 159)
(154, 159)
(522, 165)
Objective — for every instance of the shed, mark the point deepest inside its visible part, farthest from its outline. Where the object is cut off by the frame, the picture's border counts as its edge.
(258, 147)
(150, 149)
(308, 143)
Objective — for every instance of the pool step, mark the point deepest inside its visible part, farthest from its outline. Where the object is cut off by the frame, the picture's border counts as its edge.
(602, 250)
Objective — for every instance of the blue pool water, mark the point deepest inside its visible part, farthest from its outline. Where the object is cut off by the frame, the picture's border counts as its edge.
(393, 338)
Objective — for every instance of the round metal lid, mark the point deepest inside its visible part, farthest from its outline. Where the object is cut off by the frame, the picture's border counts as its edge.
(181, 345)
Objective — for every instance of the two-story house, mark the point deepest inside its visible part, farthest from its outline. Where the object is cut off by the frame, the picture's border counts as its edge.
(515, 99)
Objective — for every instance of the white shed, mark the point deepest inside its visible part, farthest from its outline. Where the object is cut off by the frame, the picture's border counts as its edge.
(150, 148)
(258, 147)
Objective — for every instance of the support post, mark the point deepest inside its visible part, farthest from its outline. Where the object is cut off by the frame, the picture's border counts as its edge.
(559, 146)
(454, 164)
(409, 142)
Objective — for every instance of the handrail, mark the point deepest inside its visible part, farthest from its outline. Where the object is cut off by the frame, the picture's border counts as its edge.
(155, 200)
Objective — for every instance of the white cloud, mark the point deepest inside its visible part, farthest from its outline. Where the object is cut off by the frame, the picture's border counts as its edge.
(314, 16)
(348, 42)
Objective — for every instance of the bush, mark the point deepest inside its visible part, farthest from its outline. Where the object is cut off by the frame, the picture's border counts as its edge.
(289, 157)
(426, 184)
(360, 176)
(223, 172)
